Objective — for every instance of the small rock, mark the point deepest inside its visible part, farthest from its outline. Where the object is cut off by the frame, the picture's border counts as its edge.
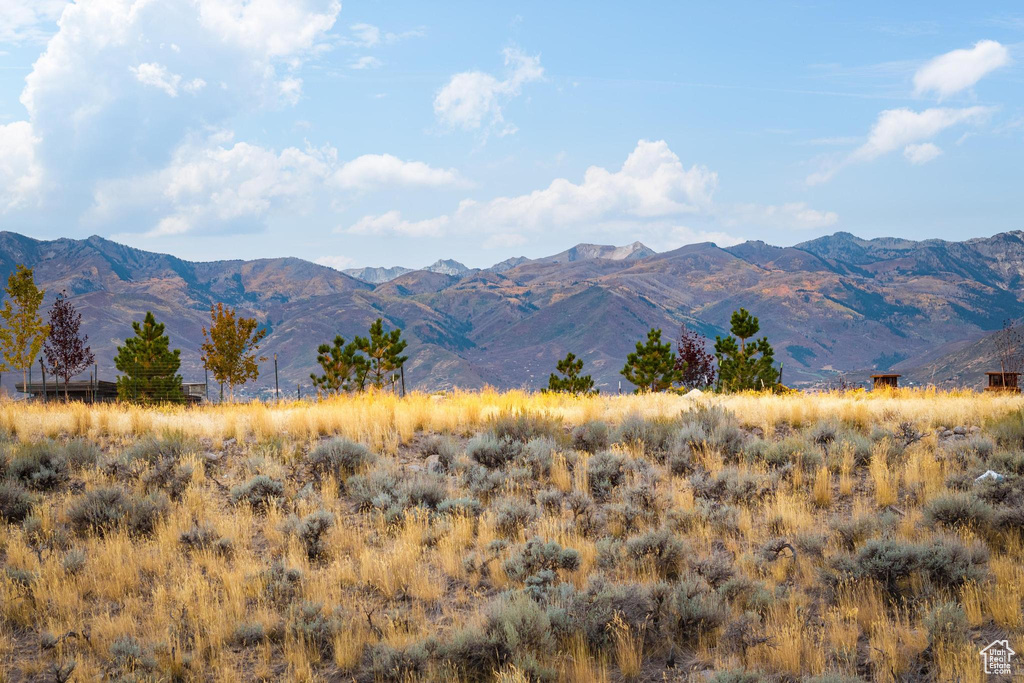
(434, 465)
(213, 457)
(960, 430)
(948, 433)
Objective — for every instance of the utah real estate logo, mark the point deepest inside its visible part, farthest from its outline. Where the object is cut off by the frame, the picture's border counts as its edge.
(997, 658)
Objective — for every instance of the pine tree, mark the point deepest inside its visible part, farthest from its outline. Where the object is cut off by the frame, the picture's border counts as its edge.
(383, 352)
(652, 367)
(23, 333)
(740, 368)
(571, 382)
(694, 361)
(230, 349)
(65, 349)
(150, 367)
(344, 369)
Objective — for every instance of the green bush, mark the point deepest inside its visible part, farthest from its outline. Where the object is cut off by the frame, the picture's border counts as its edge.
(605, 471)
(105, 509)
(661, 549)
(41, 466)
(536, 555)
(493, 451)
(958, 510)
(512, 516)
(260, 492)
(950, 564)
(591, 436)
(339, 457)
(15, 502)
(311, 531)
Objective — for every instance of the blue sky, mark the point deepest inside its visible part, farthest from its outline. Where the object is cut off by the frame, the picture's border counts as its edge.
(385, 133)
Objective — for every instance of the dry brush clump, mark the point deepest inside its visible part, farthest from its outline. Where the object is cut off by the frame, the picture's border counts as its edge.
(511, 537)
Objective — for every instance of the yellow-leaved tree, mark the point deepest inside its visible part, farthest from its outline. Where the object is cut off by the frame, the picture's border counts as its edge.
(23, 331)
(231, 347)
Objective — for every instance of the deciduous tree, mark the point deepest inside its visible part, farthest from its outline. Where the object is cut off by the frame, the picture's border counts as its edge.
(65, 349)
(383, 353)
(231, 347)
(653, 366)
(344, 369)
(1009, 343)
(23, 331)
(693, 359)
(149, 365)
(571, 381)
(744, 365)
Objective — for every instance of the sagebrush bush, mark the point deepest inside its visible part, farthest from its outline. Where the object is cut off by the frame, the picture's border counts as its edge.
(605, 471)
(958, 510)
(661, 549)
(522, 426)
(536, 555)
(339, 457)
(592, 436)
(493, 451)
(41, 466)
(82, 453)
(260, 492)
(152, 449)
(311, 531)
(731, 485)
(512, 516)
(105, 509)
(15, 502)
(655, 436)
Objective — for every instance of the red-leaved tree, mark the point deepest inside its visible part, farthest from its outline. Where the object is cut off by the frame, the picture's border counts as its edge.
(693, 359)
(65, 349)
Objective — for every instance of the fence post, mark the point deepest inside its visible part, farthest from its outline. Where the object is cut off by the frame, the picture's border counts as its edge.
(298, 391)
(29, 379)
(206, 382)
(277, 387)
(402, 369)
(42, 368)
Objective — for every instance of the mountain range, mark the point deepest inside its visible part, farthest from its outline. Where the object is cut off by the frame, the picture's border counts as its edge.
(833, 306)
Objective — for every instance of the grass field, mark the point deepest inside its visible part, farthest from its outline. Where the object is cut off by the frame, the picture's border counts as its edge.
(513, 537)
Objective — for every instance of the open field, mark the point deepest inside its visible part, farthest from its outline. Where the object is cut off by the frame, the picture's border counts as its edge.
(513, 537)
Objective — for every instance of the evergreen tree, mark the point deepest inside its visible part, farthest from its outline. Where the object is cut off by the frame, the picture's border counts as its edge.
(150, 367)
(383, 353)
(571, 382)
(744, 365)
(344, 369)
(231, 345)
(23, 332)
(694, 361)
(653, 366)
(65, 349)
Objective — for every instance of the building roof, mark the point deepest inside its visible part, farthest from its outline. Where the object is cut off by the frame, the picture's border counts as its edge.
(1002, 373)
(887, 375)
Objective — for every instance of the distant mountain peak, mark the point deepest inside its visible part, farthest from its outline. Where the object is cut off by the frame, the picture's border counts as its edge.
(585, 251)
(376, 275)
(447, 267)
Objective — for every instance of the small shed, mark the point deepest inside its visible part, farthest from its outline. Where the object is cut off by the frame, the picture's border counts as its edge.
(886, 381)
(1003, 381)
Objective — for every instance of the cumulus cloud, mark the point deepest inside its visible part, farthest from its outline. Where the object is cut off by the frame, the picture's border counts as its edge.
(110, 57)
(921, 154)
(369, 36)
(392, 223)
(472, 99)
(381, 170)
(897, 128)
(365, 62)
(28, 20)
(217, 184)
(789, 216)
(20, 172)
(958, 70)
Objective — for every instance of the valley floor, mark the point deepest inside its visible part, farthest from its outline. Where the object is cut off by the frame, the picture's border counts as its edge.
(514, 537)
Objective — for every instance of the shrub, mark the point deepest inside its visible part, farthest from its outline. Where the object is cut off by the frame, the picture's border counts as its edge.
(42, 466)
(853, 530)
(536, 555)
(392, 495)
(311, 530)
(82, 453)
(958, 510)
(512, 516)
(260, 492)
(605, 471)
(591, 436)
(309, 624)
(492, 451)
(636, 605)
(15, 502)
(74, 561)
(393, 665)
(171, 446)
(249, 633)
(950, 564)
(887, 562)
(708, 426)
(339, 457)
(1009, 430)
(145, 513)
(716, 568)
(654, 435)
(694, 610)
(466, 506)
(99, 510)
(550, 499)
(281, 584)
(128, 656)
(946, 622)
(522, 426)
(168, 476)
(537, 455)
(731, 485)
(661, 549)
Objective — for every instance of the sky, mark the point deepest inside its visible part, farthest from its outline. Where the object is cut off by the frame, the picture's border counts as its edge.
(398, 133)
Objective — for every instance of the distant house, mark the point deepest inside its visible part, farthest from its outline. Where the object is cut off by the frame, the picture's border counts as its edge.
(1003, 381)
(886, 381)
(95, 391)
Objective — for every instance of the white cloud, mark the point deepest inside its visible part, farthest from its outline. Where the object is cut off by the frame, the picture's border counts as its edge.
(897, 128)
(921, 154)
(28, 20)
(336, 262)
(472, 98)
(392, 223)
(958, 70)
(216, 184)
(383, 170)
(370, 36)
(80, 89)
(20, 172)
(157, 76)
(365, 62)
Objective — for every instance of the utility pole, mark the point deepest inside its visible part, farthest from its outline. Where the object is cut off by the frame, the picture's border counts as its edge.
(277, 387)
(402, 370)
(42, 368)
(298, 391)
(206, 382)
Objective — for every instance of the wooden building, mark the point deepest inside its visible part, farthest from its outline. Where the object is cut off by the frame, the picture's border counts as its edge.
(886, 381)
(1003, 381)
(96, 391)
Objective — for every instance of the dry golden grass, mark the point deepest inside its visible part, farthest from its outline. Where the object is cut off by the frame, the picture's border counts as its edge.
(715, 554)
